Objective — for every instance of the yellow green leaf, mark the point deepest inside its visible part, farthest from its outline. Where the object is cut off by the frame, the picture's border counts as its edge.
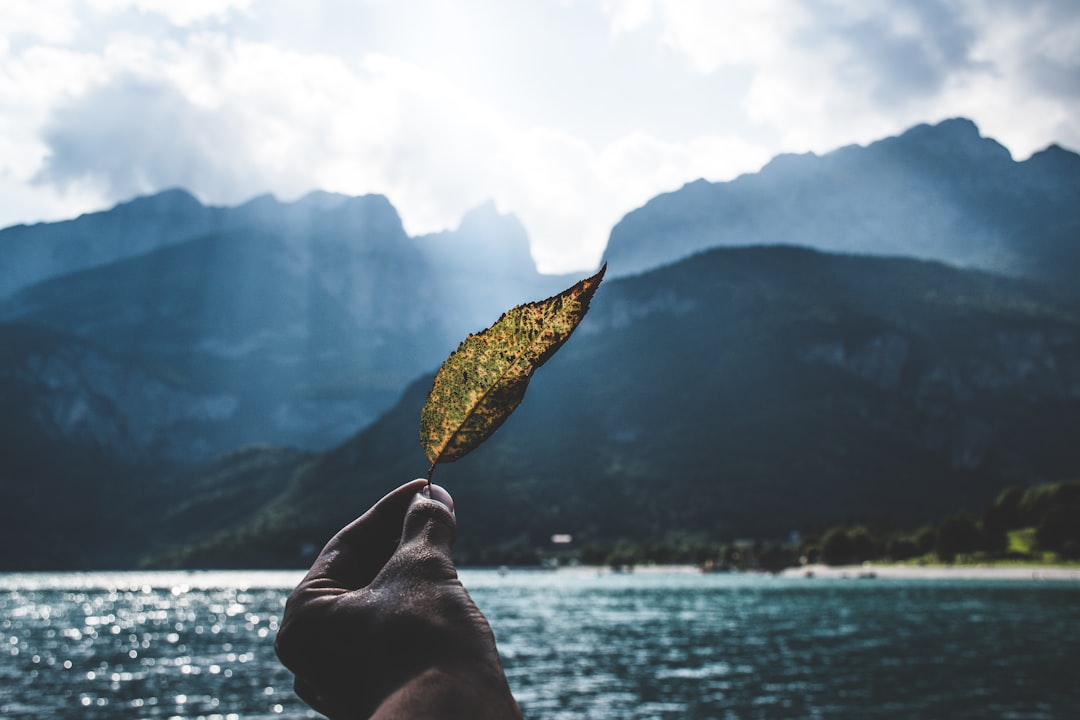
(484, 380)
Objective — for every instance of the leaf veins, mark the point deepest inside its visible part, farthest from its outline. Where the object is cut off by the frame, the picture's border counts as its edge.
(485, 379)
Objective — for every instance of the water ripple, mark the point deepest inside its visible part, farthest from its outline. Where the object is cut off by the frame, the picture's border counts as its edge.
(575, 645)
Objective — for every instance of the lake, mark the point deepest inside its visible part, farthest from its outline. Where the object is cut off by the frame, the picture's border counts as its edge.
(576, 644)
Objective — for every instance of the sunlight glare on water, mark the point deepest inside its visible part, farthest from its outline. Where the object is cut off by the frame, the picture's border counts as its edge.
(142, 645)
(575, 644)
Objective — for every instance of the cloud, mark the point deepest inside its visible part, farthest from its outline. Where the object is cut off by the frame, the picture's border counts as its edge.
(230, 119)
(822, 73)
(898, 57)
(48, 20)
(235, 99)
(37, 72)
(1030, 95)
(182, 13)
(830, 72)
(130, 137)
(571, 194)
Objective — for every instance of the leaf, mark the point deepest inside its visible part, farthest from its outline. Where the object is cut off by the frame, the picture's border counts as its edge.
(484, 380)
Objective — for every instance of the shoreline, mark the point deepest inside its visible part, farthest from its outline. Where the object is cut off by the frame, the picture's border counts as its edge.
(936, 572)
(883, 571)
(247, 578)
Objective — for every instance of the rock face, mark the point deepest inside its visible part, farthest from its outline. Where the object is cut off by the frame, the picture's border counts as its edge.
(87, 441)
(938, 192)
(81, 395)
(143, 340)
(310, 316)
(33, 253)
(776, 386)
(740, 393)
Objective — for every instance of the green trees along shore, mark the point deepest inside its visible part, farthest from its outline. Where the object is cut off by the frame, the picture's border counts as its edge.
(1040, 524)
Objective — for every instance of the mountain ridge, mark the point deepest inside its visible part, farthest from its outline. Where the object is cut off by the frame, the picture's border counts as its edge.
(44, 250)
(906, 391)
(312, 316)
(939, 192)
(724, 375)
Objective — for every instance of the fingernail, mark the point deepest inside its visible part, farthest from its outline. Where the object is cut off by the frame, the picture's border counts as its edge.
(439, 494)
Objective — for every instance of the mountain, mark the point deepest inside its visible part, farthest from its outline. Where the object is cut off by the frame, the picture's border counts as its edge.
(82, 432)
(308, 318)
(938, 192)
(238, 316)
(35, 252)
(64, 390)
(90, 443)
(738, 393)
(162, 334)
(47, 250)
(152, 356)
(484, 266)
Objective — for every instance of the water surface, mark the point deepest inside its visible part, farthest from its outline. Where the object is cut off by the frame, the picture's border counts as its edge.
(574, 644)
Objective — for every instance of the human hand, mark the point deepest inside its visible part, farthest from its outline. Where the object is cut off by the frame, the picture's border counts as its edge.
(381, 626)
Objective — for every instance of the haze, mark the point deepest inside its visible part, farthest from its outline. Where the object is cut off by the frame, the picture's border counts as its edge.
(567, 114)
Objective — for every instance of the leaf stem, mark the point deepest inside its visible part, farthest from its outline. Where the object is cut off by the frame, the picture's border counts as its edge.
(430, 472)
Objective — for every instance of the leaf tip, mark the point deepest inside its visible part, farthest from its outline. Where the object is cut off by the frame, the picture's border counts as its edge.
(484, 380)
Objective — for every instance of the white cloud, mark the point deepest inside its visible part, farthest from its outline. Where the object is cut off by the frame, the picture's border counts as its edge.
(104, 99)
(714, 35)
(820, 75)
(182, 13)
(628, 15)
(45, 20)
(1030, 94)
(229, 119)
(34, 81)
(841, 71)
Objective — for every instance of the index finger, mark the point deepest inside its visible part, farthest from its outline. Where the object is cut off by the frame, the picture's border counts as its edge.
(356, 554)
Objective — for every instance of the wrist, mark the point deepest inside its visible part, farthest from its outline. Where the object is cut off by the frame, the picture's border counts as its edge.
(473, 691)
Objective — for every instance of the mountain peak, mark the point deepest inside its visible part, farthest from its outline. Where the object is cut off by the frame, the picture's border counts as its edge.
(484, 209)
(323, 200)
(260, 203)
(954, 137)
(485, 219)
(956, 126)
(790, 163)
(1055, 159)
(941, 192)
(169, 200)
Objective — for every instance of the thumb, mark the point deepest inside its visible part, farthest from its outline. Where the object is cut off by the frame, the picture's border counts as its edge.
(430, 524)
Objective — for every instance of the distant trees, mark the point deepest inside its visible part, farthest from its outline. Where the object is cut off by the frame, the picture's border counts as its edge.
(844, 546)
(711, 556)
(1051, 511)
(1021, 524)
(959, 534)
(1054, 510)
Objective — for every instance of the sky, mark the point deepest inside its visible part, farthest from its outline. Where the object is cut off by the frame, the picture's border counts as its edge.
(566, 113)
